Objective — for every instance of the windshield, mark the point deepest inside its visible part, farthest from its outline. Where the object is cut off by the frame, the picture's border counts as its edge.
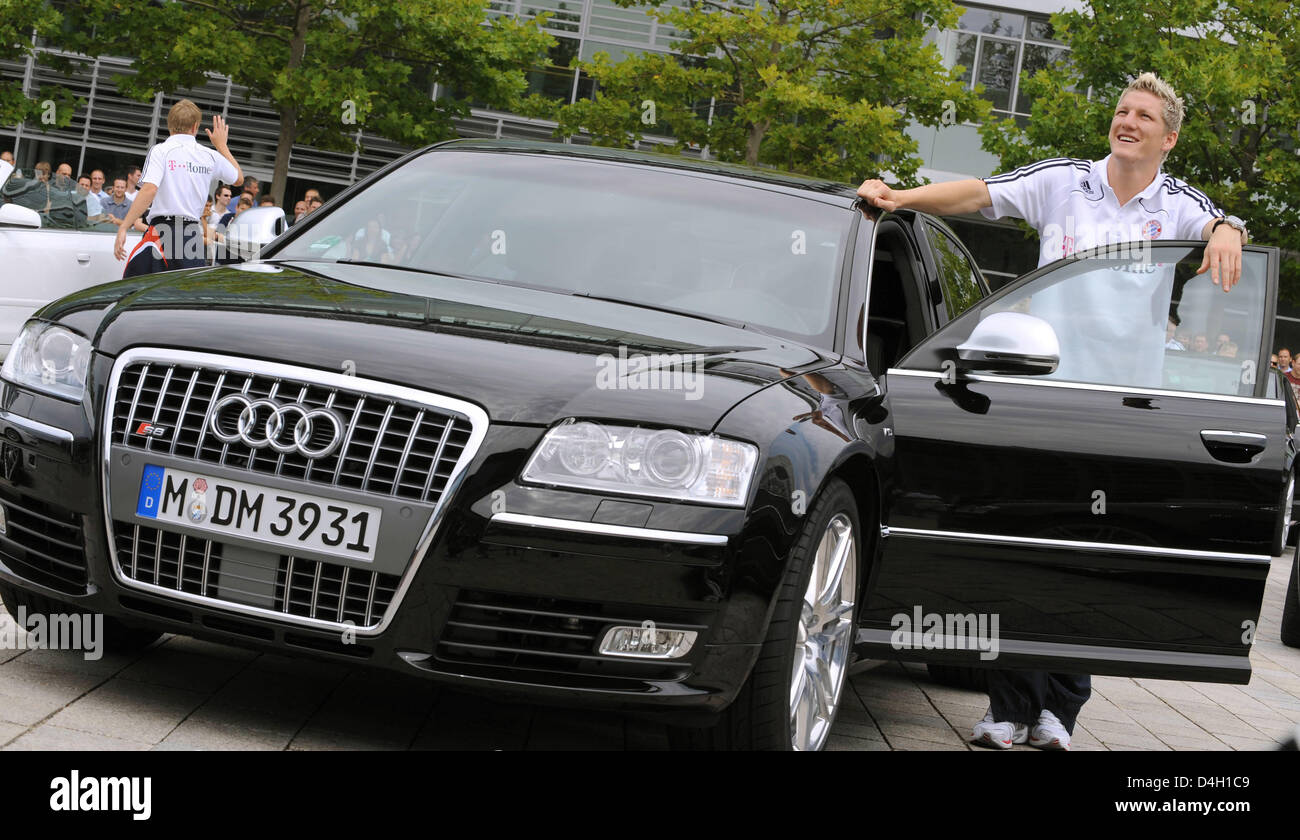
(636, 234)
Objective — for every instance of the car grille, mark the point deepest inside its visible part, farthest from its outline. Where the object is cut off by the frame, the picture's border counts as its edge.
(552, 635)
(390, 447)
(44, 543)
(303, 588)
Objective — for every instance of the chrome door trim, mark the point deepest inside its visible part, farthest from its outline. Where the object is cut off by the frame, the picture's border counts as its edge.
(1089, 386)
(1077, 545)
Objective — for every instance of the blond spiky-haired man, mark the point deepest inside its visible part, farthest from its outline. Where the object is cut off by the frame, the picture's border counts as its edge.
(1076, 205)
(1123, 197)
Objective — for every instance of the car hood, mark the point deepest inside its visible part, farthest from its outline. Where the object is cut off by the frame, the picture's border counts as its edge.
(524, 355)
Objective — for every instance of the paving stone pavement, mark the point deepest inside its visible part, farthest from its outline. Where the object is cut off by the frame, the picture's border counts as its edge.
(186, 694)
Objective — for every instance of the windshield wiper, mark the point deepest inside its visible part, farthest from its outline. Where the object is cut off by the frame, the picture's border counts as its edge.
(371, 263)
(726, 322)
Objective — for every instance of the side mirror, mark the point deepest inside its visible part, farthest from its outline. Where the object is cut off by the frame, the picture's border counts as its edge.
(1011, 342)
(12, 214)
(252, 230)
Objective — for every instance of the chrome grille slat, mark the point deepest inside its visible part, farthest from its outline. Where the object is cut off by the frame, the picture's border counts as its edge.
(203, 426)
(185, 407)
(315, 586)
(288, 583)
(157, 408)
(157, 555)
(406, 451)
(437, 456)
(370, 598)
(374, 450)
(347, 439)
(207, 559)
(180, 562)
(135, 400)
(343, 594)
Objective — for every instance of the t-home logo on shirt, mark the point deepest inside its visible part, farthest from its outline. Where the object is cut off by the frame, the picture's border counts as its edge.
(189, 166)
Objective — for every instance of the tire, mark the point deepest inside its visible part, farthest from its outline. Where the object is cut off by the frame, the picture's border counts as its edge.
(958, 676)
(1290, 629)
(777, 707)
(117, 637)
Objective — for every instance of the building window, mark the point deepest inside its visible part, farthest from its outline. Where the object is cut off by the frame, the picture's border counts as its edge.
(554, 80)
(996, 47)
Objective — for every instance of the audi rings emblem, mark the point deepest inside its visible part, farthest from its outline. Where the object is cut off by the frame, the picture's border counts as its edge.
(285, 428)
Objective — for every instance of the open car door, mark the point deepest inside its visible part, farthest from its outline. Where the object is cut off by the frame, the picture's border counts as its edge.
(1103, 496)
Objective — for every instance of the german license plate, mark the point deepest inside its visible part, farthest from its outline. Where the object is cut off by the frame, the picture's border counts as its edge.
(290, 520)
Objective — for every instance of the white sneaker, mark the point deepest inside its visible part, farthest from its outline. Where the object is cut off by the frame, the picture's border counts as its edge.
(1049, 734)
(999, 735)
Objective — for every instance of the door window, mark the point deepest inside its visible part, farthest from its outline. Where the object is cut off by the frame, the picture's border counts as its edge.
(1149, 322)
(960, 281)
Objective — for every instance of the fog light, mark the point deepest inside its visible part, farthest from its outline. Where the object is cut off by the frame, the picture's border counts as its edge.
(647, 642)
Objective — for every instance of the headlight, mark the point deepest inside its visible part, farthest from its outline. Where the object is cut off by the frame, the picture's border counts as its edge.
(645, 462)
(49, 358)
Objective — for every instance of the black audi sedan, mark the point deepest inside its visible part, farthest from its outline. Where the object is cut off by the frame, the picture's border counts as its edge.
(598, 428)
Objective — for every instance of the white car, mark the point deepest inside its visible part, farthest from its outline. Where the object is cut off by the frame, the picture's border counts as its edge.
(44, 264)
(41, 264)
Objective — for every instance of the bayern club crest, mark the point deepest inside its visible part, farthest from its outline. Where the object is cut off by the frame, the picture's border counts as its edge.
(1151, 230)
(198, 508)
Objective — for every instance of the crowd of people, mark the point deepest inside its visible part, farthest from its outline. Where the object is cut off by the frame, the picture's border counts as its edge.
(1199, 343)
(228, 201)
(109, 200)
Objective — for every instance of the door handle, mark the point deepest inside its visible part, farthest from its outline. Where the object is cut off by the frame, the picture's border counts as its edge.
(83, 258)
(1233, 447)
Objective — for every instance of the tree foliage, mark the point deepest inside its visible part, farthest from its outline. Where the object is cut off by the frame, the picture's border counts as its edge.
(329, 67)
(1235, 65)
(825, 87)
(20, 20)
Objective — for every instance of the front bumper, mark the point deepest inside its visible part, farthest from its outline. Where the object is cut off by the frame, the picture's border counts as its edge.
(502, 596)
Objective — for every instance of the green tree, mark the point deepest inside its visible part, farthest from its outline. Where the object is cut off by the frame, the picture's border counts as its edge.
(330, 67)
(825, 87)
(20, 22)
(1235, 65)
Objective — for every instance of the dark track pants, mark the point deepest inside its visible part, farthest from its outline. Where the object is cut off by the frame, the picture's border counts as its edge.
(1020, 695)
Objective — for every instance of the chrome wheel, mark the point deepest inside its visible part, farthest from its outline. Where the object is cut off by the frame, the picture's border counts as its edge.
(824, 636)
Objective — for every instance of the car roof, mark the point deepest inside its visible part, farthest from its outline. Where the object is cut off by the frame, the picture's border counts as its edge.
(833, 191)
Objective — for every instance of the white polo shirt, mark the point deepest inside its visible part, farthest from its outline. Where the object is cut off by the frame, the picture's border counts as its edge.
(1071, 205)
(5, 168)
(183, 171)
(1111, 322)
